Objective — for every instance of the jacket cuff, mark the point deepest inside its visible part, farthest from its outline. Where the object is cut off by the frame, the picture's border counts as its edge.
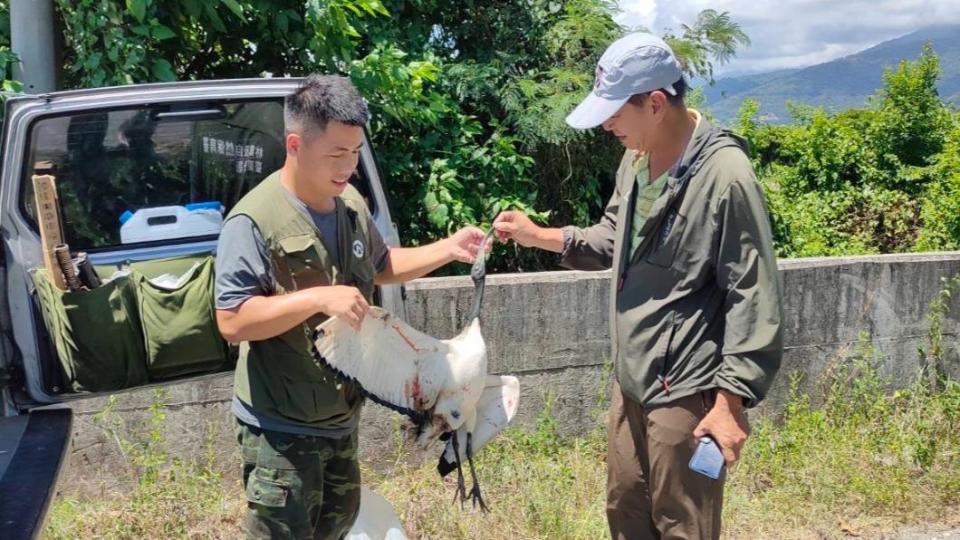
(564, 256)
(567, 241)
(737, 387)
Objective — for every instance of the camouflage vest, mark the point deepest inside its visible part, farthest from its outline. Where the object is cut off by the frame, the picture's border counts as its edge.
(278, 377)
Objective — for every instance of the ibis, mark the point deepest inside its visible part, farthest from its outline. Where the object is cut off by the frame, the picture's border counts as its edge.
(441, 385)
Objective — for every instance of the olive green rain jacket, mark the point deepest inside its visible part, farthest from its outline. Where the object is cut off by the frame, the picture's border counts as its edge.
(697, 305)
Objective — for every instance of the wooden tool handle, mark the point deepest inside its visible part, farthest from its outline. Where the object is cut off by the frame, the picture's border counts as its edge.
(48, 218)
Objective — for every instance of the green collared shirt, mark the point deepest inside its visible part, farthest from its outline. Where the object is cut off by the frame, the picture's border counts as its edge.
(647, 193)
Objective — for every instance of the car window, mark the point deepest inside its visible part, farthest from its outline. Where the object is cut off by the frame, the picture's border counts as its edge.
(110, 164)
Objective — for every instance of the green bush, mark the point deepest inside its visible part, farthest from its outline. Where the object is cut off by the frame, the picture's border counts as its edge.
(940, 212)
(883, 179)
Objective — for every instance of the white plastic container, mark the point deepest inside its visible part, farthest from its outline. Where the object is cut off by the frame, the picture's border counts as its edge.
(170, 222)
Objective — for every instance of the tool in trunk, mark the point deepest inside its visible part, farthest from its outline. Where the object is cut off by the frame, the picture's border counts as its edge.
(65, 262)
(48, 218)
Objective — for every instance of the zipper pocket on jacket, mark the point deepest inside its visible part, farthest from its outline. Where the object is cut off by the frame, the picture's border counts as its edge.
(664, 376)
(621, 268)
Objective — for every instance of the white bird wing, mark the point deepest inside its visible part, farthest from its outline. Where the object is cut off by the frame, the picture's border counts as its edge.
(376, 520)
(395, 364)
(495, 409)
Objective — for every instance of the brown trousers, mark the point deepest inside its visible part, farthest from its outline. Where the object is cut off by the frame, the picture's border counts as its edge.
(651, 491)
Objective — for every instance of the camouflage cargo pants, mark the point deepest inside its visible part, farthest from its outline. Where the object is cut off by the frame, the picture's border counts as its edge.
(299, 486)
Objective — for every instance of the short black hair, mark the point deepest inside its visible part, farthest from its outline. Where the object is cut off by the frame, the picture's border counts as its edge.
(321, 99)
(680, 87)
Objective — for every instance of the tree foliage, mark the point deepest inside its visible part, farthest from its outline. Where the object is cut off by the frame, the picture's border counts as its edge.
(468, 98)
(712, 40)
(7, 58)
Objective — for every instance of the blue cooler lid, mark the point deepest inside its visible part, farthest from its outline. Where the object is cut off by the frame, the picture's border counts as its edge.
(210, 205)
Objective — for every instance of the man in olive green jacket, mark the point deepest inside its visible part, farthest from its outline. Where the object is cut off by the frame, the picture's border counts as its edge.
(695, 308)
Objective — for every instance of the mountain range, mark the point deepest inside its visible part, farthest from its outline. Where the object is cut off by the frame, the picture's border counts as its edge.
(839, 84)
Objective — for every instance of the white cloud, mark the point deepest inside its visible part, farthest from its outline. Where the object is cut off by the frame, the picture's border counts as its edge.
(827, 52)
(798, 33)
(638, 13)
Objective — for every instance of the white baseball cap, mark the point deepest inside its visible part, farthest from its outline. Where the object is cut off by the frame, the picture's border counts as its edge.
(634, 64)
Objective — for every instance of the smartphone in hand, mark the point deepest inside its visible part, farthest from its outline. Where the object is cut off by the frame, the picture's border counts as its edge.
(707, 458)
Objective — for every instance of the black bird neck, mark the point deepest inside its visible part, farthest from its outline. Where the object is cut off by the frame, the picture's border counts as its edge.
(477, 299)
(479, 275)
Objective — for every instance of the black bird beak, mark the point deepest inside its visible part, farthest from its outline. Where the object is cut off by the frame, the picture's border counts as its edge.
(479, 269)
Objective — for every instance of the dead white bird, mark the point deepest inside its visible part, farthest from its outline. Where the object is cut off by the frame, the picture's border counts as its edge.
(442, 385)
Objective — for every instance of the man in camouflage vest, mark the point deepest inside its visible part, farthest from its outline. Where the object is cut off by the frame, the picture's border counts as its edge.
(298, 248)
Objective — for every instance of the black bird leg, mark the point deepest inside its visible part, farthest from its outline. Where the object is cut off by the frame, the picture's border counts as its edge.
(461, 491)
(475, 494)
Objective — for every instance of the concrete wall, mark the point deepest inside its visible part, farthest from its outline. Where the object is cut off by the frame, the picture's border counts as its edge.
(551, 330)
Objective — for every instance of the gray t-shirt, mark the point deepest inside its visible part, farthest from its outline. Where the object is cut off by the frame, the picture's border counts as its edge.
(243, 270)
(243, 261)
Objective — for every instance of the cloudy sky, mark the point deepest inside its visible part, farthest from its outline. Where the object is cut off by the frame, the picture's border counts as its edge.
(797, 33)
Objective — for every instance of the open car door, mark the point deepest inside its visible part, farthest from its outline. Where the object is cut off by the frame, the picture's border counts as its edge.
(111, 201)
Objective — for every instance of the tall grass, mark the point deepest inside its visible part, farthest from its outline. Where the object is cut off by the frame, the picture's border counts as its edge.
(168, 498)
(864, 462)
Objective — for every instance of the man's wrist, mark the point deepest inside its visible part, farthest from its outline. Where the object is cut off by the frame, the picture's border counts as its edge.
(539, 237)
(317, 299)
(448, 247)
(729, 401)
(548, 239)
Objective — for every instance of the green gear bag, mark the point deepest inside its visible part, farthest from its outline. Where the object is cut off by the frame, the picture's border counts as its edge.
(180, 331)
(96, 334)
